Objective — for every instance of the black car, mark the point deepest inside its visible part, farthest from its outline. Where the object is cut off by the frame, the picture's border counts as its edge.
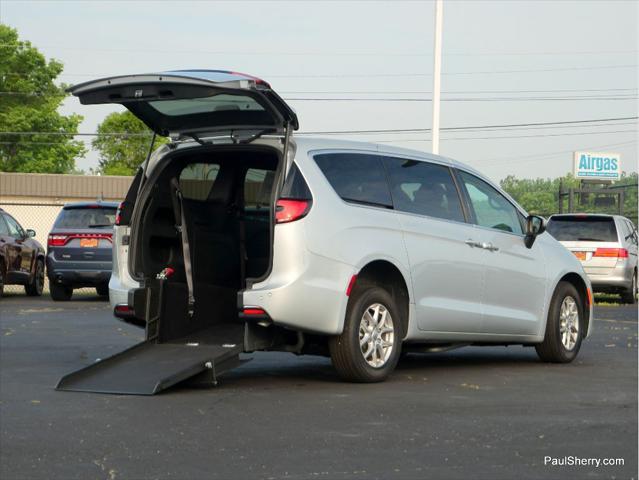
(21, 257)
(80, 248)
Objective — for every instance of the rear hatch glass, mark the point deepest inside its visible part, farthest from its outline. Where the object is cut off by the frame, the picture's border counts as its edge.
(81, 218)
(583, 229)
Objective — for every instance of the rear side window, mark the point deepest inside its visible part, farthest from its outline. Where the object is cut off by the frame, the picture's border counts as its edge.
(197, 179)
(4, 230)
(89, 217)
(295, 186)
(356, 177)
(584, 229)
(258, 184)
(424, 188)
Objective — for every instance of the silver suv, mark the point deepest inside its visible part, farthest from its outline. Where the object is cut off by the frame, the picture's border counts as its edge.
(241, 235)
(606, 246)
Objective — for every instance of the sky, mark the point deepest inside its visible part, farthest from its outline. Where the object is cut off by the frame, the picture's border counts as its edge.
(364, 65)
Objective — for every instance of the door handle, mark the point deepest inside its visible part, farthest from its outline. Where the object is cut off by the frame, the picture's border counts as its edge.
(472, 243)
(489, 246)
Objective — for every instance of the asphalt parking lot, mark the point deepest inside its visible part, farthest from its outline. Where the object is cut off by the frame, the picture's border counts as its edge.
(471, 413)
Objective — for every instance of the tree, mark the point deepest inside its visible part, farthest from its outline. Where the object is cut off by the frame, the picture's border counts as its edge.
(540, 195)
(29, 102)
(122, 154)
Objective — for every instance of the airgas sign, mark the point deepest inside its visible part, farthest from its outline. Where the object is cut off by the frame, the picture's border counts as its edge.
(597, 166)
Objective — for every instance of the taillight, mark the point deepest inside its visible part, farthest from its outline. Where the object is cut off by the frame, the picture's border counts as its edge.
(61, 239)
(118, 214)
(611, 252)
(253, 311)
(57, 240)
(287, 210)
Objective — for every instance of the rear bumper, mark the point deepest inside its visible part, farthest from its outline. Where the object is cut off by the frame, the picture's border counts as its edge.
(78, 274)
(619, 278)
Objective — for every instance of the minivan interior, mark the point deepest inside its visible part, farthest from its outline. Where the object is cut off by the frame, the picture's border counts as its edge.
(226, 205)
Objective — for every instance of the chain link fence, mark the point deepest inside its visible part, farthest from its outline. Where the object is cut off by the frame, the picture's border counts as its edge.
(39, 217)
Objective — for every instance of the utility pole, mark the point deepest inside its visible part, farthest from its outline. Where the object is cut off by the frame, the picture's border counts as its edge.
(437, 72)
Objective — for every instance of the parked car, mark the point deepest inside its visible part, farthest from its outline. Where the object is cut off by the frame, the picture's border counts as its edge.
(245, 236)
(79, 248)
(21, 257)
(606, 246)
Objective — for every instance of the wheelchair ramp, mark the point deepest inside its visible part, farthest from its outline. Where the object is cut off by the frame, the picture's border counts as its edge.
(149, 367)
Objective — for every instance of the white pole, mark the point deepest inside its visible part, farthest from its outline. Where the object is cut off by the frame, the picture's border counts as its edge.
(437, 72)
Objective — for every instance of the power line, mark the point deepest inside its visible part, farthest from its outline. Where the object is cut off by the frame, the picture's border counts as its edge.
(342, 132)
(542, 135)
(476, 99)
(393, 75)
(476, 127)
(539, 135)
(319, 53)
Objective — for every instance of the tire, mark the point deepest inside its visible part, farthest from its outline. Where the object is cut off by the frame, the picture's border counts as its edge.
(1, 278)
(103, 290)
(35, 287)
(364, 308)
(60, 293)
(630, 295)
(556, 347)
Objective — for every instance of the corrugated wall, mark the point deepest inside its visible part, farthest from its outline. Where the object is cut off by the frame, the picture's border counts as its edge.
(52, 186)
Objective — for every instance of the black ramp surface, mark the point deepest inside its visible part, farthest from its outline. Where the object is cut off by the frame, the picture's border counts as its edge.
(146, 368)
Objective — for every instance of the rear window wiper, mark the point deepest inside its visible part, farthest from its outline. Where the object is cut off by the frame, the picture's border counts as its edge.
(101, 225)
(586, 239)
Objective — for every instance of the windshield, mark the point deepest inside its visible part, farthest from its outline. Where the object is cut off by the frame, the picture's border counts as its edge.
(89, 217)
(585, 229)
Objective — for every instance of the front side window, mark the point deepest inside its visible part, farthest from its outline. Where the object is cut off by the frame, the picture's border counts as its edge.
(15, 230)
(4, 230)
(424, 188)
(356, 177)
(491, 208)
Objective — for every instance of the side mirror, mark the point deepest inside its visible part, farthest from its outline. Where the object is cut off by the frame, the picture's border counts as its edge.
(31, 233)
(535, 225)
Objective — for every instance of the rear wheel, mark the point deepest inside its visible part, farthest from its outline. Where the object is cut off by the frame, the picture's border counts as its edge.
(369, 347)
(564, 327)
(60, 293)
(35, 287)
(630, 295)
(103, 290)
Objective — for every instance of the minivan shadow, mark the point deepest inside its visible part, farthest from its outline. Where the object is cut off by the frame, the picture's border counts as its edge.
(285, 372)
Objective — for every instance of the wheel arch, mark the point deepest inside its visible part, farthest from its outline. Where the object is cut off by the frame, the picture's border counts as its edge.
(386, 274)
(582, 288)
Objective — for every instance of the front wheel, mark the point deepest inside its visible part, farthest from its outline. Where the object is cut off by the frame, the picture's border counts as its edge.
(369, 347)
(564, 327)
(36, 285)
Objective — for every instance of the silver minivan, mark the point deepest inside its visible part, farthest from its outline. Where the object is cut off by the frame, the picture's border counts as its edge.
(240, 234)
(606, 246)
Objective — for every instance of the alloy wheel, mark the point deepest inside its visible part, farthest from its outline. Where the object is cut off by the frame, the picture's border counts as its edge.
(569, 323)
(376, 335)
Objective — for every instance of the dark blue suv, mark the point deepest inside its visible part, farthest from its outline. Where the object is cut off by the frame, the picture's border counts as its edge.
(79, 249)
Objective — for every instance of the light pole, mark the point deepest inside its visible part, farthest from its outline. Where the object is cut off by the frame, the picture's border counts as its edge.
(437, 72)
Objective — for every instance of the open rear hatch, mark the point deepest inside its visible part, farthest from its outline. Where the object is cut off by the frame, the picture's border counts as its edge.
(183, 342)
(193, 101)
